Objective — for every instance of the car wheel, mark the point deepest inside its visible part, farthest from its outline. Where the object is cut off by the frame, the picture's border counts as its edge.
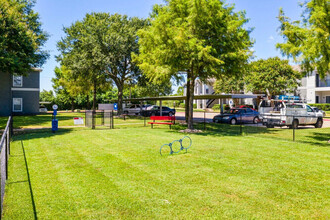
(269, 126)
(255, 120)
(233, 121)
(216, 120)
(153, 114)
(295, 124)
(319, 123)
(170, 114)
(126, 112)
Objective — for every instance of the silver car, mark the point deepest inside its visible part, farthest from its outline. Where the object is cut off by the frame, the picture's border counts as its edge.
(133, 109)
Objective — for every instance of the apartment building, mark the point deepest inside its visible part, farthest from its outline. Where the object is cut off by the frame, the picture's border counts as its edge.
(19, 94)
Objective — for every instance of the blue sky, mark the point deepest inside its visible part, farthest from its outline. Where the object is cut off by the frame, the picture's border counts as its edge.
(56, 14)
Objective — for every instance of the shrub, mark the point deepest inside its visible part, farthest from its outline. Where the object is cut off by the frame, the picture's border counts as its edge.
(322, 106)
(194, 105)
(217, 107)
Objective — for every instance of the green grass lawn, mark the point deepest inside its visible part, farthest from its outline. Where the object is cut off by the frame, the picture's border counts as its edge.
(327, 114)
(64, 119)
(100, 174)
(41, 120)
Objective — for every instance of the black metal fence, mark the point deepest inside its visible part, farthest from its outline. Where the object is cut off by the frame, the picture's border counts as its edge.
(99, 118)
(204, 121)
(4, 156)
(266, 124)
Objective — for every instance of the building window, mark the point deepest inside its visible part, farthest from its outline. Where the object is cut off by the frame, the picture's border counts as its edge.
(317, 99)
(17, 104)
(327, 99)
(17, 81)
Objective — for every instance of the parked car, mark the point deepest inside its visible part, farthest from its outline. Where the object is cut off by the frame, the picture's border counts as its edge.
(291, 114)
(238, 115)
(316, 109)
(246, 106)
(155, 111)
(133, 109)
(42, 108)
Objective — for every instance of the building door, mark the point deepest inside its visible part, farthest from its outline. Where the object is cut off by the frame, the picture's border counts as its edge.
(317, 99)
(327, 99)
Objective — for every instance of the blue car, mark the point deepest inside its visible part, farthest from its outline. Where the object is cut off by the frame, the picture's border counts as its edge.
(238, 115)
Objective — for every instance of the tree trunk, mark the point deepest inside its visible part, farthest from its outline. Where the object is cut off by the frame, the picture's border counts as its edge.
(88, 103)
(94, 105)
(187, 100)
(94, 96)
(120, 98)
(72, 104)
(236, 102)
(191, 106)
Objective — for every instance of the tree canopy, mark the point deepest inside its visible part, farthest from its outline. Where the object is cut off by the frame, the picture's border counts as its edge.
(201, 38)
(272, 76)
(21, 37)
(101, 44)
(308, 40)
(228, 84)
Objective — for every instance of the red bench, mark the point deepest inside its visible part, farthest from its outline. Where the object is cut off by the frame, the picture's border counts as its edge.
(162, 120)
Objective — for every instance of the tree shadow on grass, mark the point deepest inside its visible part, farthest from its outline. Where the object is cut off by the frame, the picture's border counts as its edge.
(214, 129)
(37, 120)
(323, 139)
(40, 133)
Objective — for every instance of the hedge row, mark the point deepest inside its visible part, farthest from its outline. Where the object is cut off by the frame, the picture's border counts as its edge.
(182, 105)
(217, 107)
(323, 106)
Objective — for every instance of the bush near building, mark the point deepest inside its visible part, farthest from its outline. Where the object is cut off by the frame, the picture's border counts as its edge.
(322, 106)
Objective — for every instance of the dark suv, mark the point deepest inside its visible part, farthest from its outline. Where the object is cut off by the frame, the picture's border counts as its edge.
(155, 111)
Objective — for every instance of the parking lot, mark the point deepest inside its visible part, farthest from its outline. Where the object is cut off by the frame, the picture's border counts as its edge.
(199, 117)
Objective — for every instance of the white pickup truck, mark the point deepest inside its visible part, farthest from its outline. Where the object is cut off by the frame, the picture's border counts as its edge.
(280, 113)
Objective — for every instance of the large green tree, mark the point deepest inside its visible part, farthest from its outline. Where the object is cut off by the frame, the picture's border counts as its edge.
(272, 76)
(21, 37)
(308, 40)
(46, 96)
(75, 84)
(201, 38)
(228, 84)
(102, 44)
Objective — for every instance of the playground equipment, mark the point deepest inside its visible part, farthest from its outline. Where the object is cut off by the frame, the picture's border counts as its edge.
(176, 146)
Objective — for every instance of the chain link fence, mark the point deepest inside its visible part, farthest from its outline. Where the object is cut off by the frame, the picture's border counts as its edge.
(4, 156)
(100, 118)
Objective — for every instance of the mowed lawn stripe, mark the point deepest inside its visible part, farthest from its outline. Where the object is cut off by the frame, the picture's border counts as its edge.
(119, 173)
(90, 190)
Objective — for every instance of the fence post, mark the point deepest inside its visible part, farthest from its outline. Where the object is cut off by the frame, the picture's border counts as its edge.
(112, 120)
(93, 119)
(144, 120)
(204, 121)
(240, 126)
(8, 139)
(102, 115)
(293, 130)
(6, 154)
